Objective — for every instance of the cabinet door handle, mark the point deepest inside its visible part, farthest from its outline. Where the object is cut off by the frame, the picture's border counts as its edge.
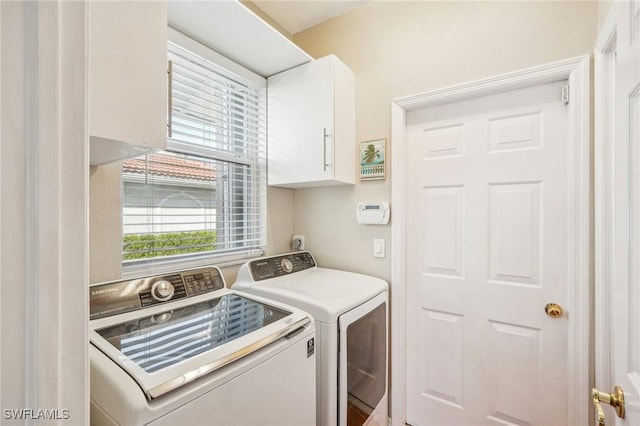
(324, 150)
(170, 99)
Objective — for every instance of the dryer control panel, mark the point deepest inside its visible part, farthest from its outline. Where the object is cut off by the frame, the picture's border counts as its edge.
(118, 297)
(277, 266)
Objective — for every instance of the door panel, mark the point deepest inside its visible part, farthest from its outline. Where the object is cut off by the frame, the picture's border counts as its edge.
(442, 344)
(443, 220)
(515, 233)
(487, 249)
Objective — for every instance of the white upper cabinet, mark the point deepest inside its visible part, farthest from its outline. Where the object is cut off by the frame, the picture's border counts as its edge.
(311, 125)
(238, 34)
(127, 78)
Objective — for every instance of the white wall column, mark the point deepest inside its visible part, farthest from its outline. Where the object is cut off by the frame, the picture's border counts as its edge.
(44, 213)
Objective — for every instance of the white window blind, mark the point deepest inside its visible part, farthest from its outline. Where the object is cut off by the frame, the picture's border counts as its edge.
(206, 195)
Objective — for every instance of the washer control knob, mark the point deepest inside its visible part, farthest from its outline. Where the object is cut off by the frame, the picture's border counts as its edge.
(162, 290)
(287, 265)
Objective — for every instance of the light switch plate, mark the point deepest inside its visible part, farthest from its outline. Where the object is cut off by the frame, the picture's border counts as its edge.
(378, 247)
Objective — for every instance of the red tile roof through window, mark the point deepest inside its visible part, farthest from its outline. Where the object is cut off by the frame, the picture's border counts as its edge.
(173, 167)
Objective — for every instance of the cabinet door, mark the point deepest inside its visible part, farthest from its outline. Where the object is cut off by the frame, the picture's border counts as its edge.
(301, 124)
(344, 140)
(127, 76)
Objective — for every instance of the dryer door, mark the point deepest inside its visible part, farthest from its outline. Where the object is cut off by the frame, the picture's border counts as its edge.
(363, 365)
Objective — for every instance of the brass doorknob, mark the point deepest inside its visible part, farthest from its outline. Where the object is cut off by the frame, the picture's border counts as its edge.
(553, 310)
(615, 399)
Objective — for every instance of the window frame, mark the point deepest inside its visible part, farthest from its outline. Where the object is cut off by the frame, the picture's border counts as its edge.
(138, 267)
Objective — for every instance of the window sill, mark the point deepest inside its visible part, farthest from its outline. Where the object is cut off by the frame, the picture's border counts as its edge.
(144, 268)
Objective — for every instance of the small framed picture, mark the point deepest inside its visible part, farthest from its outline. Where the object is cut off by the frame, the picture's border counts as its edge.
(372, 159)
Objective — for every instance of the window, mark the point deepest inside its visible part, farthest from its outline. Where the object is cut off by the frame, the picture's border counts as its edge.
(205, 196)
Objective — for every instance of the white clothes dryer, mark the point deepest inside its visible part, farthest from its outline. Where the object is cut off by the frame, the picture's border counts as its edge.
(182, 349)
(351, 317)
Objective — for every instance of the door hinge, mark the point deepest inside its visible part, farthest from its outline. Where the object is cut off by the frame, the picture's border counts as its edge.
(565, 94)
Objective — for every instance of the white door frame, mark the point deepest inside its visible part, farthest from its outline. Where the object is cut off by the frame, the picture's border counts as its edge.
(579, 276)
(44, 213)
(604, 186)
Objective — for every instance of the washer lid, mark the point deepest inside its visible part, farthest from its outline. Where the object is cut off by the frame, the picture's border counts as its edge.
(324, 293)
(165, 347)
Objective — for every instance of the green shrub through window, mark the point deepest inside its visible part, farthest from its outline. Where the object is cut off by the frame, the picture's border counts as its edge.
(142, 246)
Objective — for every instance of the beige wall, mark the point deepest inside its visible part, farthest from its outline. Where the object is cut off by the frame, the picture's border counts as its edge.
(105, 233)
(402, 48)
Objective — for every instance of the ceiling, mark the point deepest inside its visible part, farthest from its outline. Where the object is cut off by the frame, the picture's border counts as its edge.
(298, 15)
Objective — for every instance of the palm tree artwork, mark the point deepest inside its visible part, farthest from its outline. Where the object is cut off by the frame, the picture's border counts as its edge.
(372, 159)
(371, 153)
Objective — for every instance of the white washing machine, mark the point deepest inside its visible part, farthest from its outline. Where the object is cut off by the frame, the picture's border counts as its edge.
(351, 312)
(182, 349)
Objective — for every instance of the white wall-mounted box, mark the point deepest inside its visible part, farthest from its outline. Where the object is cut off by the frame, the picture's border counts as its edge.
(372, 213)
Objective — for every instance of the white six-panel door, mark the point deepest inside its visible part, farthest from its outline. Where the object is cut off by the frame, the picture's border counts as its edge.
(487, 249)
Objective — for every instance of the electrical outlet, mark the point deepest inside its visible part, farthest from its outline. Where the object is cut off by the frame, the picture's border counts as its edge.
(297, 242)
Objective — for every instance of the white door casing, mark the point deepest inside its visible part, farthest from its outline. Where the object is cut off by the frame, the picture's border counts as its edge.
(577, 191)
(617, 208)
(604, 135)
(44, 170)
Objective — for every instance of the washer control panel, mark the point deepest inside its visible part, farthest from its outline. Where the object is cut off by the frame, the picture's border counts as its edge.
(162, 290)
(124, 296)
(277, 266)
